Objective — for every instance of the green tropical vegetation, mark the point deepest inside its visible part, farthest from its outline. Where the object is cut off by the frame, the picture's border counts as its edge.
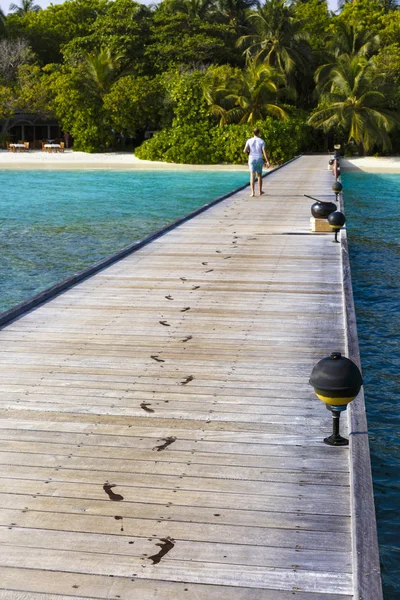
(202, 73)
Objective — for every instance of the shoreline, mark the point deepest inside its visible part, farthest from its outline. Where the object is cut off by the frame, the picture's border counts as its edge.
(371, 164)
(124, 161)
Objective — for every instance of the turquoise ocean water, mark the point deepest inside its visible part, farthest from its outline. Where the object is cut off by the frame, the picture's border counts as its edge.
(55, 223)
(372, 205)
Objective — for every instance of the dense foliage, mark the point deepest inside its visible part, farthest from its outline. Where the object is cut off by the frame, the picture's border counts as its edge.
(203, 73)
(202, 144)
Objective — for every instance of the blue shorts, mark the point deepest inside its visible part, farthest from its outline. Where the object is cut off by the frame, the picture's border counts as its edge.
(256, 165)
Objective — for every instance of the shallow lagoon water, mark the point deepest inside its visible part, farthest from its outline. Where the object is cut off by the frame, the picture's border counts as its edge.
(55, 223)
(372, 205)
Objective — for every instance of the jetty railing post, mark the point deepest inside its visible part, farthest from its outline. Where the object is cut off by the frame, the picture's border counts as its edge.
(336, 439)
(336, 381)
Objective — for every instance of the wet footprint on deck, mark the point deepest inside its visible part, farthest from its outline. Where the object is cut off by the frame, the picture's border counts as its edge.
(107, 487)
(187, 380)
(156, 358)
(167, 442)
(166, 545)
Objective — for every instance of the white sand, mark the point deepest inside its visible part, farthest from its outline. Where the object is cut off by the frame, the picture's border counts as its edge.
(36, 159)
(370, 164)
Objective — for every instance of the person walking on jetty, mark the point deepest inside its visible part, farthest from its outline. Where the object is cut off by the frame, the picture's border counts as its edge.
(255, 148)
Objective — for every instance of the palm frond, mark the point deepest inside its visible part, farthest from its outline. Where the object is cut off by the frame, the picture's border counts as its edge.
(276, 111)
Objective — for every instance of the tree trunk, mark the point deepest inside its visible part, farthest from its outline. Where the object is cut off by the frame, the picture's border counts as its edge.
(6, 126)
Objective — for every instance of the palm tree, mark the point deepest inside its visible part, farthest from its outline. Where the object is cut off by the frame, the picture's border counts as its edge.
(102, 70)
(249, 96)
(194, 9)
(279, 38)
(2, 24)
(235, 12)
(353, 103)
(26, 7)
(218, 86)
(350, 40)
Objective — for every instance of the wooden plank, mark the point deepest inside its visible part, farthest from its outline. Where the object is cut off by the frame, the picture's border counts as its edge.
(184, 571)
(252, 537)
(136, 436)
(104, 587)
(280, 472)
(138, 548)
(272, 400)
(22, 496)
(171, 454)
(241, 480)
(276, 422)
(146, 489)
(292, 434)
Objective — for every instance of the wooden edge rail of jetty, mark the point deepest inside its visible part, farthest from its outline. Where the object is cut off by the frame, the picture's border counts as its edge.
(159, 438)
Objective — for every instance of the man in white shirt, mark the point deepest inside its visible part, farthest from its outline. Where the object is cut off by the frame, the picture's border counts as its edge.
(255, 148)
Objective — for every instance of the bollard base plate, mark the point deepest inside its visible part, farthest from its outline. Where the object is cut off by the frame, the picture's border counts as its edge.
(336, 440)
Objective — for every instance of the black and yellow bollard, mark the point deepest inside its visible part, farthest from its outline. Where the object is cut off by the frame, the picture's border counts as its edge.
(336, 221)
(337, 188)
(336, 381)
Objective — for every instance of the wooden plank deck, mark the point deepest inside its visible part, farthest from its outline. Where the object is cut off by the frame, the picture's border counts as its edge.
(179, 375)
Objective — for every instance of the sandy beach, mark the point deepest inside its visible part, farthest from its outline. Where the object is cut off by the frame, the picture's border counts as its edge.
(372, 164)
(124, 161)
(82, 160)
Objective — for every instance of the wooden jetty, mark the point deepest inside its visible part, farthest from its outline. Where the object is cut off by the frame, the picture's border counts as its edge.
(159, 437)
